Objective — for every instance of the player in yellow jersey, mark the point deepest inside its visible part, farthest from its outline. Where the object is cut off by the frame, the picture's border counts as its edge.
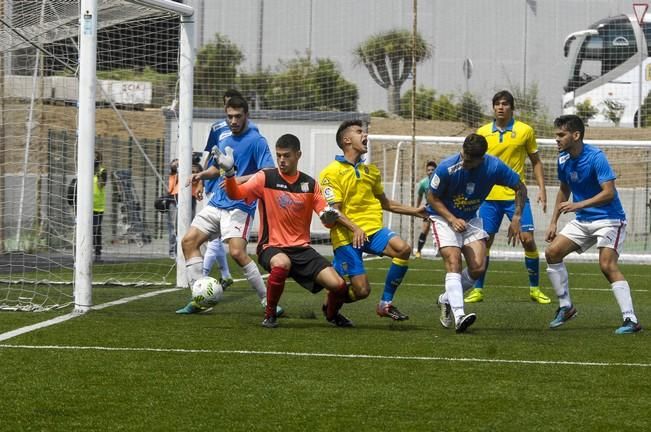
(356, 190)
(512, 141)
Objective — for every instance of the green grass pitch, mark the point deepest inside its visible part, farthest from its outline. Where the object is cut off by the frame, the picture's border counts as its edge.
(138, 366)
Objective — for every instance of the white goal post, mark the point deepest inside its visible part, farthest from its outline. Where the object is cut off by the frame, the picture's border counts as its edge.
(88, 83)
(86, 131)
(631, 161)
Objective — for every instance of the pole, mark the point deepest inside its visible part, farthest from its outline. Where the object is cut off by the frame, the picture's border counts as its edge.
(412, 176)
(85, 155)
(640, 78)
(186, 65)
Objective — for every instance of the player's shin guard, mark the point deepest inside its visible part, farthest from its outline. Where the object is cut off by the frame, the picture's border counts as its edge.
(559, 279)
(454, 293)
(252, 274)
(394, 278)
(275, 288)
(193, 268)
(422, 238)
(336, 299)
(622, 293)
(532, 263)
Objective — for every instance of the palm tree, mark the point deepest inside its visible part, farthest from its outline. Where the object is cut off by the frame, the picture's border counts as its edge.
(388, 58)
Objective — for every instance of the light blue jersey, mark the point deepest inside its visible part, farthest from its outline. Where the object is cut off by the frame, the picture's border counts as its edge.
(584, 175)
(251, 153)
(219, 131)
(462, 190)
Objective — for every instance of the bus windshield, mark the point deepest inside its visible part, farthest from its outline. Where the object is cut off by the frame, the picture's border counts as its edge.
(596, 53)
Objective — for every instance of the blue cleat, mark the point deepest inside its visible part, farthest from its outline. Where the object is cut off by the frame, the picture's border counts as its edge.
(563, 314)
(190, 308)
(629, 327)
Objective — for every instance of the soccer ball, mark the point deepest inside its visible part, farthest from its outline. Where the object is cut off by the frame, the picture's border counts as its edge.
(207, 291)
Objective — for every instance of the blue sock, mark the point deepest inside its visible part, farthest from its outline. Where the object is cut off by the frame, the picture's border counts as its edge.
(394, 278)
(479, 283)
(532, 263)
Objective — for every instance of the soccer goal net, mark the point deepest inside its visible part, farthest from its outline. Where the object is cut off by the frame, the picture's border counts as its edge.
(137, 76)
(630, 161)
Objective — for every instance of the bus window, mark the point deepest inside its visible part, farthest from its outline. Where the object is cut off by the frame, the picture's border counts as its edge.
(647, 35)
(588, 64)
(600, 53)
(619, 43)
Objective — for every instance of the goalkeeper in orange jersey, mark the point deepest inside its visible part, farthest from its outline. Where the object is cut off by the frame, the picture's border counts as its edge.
(287, 197)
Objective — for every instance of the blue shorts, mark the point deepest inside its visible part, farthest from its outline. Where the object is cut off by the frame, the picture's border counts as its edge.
(348, 260)
(492, 213)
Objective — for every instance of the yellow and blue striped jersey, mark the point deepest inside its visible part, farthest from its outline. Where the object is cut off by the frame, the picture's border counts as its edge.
(354, 187)
(512, 146)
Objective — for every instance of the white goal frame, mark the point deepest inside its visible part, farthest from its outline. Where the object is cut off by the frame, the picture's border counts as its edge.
(86, 136)
(393, 178)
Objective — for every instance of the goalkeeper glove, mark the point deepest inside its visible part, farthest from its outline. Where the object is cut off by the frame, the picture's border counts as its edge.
(225, 160)
(329, 216)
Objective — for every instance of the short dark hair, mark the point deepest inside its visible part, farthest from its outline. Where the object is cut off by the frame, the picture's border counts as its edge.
(342, 128)
(504, 94)
(571, 123)
(232, 93)
(289, 142)
(237, 103)
(475, 146)
(431, 163)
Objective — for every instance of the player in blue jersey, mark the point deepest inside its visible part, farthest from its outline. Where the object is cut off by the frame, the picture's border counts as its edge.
(223, 217)
(457, 188)
(215, 251)
(584, 172)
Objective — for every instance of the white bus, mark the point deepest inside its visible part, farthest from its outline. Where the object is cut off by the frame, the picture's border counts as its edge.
(604, 69)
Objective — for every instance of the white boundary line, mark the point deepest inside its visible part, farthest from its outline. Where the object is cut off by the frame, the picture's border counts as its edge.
(66, 317)
(330, 355)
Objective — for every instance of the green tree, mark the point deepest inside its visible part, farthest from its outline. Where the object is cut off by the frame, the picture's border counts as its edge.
(425, 99)
(470, 111)
(215, 71)
(310, 86)
(254, 86)
(585, 110)
(388, 58)
(531, 110)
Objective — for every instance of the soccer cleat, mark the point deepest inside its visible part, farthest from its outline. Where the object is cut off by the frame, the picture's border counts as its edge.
(225, 283)
(418, 255)
(339, 320)
(538, 296)
(464, 322)
(629, 327)
(476, 295)
(190, 308)
(270, 322)
(563, 314)
(279, 310)
(446, 318)
(390, 311)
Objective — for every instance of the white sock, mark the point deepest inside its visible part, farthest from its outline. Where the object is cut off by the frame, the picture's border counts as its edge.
(215, 253)
(193, 269)
(623, 296)
(466, 281)
(209, 258)
(454, 292)
(557, 274)
(222, 260)
(252, 274)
